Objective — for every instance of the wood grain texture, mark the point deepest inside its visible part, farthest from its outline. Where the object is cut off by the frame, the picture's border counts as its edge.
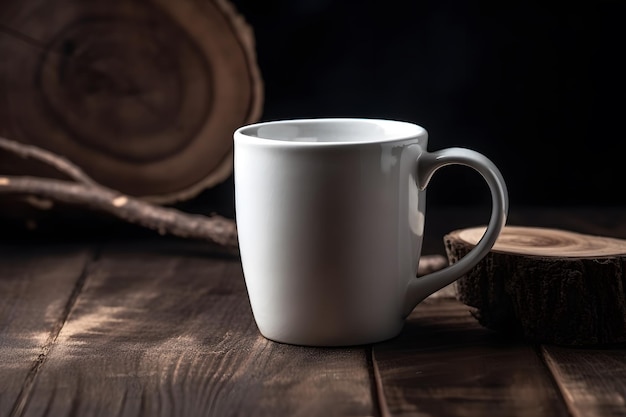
(593, 381)
(144, 95)
(543, 241)
(164, 331)
(604, 221)
(445, 364)
(37, 286)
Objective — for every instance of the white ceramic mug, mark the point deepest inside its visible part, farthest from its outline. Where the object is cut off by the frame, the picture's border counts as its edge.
(330, 216)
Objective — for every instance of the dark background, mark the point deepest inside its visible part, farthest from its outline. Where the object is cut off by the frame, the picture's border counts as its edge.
(539, 89)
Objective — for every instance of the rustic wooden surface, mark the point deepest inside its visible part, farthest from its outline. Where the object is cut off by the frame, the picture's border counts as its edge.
(144, 325)
(444, 363)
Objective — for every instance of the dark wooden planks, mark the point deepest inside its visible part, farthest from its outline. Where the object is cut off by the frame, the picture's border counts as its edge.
(38, 283)
(160, 331)
(155, 325)
(593, 381)
(445, 364)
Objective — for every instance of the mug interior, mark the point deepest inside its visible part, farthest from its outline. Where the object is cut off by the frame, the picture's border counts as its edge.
(333, 130)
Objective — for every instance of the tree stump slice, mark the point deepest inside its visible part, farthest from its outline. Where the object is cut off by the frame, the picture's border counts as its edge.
(142, 95)
(546, 285)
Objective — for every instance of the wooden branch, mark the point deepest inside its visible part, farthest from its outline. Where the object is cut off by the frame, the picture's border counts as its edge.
(94, 196)
(217, 229)
(547, 285)
(58, 162)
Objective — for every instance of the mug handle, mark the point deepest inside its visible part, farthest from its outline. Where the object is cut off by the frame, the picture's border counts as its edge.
(427, 164)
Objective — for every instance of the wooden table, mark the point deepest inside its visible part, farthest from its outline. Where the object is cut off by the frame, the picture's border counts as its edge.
(158, 326)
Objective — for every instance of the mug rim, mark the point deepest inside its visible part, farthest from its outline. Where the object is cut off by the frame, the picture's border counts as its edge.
(402, 131)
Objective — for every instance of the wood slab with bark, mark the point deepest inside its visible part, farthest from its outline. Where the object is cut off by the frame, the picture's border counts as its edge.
(143, 95)
(547, 285)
